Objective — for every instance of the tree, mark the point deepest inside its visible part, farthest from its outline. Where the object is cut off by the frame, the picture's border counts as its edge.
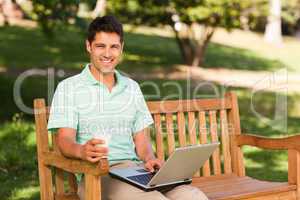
(194, 22)
(51, 13)
(273, 28)
(291, 16)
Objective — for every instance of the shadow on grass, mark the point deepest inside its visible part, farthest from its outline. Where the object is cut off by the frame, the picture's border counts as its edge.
(33, 87)
(26, 48)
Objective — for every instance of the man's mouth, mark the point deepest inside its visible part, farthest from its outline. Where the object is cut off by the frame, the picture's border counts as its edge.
(106, 60)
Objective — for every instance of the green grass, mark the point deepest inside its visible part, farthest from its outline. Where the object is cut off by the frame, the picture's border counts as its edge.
(223, 56)
(23, 48)
(18, 163)
(27, 48)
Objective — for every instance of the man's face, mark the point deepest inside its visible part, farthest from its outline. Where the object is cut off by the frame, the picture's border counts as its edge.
(105, 51)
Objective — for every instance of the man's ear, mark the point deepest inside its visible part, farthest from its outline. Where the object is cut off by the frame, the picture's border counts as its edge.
(88, 46)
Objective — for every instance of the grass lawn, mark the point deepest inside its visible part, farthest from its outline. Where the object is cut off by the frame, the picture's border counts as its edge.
(26, 48)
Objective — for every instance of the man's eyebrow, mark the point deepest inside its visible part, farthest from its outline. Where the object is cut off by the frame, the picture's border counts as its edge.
(114, 44)
(99, 43)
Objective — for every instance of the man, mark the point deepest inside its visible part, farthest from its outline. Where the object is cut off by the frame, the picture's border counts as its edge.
(101, 101)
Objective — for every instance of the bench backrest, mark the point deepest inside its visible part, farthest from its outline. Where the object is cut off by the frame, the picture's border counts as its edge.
(199, 121)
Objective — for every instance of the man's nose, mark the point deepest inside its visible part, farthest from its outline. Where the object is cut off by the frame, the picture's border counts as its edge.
(107, 52)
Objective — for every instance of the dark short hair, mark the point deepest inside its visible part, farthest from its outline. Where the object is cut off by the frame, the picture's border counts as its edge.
(108, 24)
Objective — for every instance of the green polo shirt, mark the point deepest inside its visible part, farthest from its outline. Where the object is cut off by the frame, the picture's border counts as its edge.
(86, 105)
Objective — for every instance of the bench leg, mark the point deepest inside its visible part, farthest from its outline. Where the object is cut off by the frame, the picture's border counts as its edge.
(46, 187)
(92, 187)
(294, 170)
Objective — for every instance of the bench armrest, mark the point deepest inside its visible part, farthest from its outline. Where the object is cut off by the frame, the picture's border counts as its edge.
(287, 143)
(74, 165)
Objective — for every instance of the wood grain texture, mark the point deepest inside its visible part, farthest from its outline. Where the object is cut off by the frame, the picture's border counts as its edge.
(292, 142)
(181, 129)
(45, 174)
(59, 173)
(159, 137)
(174, 106)
(92, 187)
(214, 138)
(225, 142)
(234, 128)
(203, 140)
(294, 169)
(192, 133)
(75, 165)
(170, 133)
(233, 187)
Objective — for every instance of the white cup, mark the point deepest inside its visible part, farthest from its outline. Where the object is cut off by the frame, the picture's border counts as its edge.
(105, 138)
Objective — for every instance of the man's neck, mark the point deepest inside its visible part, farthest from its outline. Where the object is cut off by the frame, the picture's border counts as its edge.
(107, 79)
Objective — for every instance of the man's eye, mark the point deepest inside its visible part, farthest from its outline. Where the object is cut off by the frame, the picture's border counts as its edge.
(101, 46)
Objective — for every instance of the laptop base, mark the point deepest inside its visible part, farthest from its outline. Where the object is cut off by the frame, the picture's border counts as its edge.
(158, 188)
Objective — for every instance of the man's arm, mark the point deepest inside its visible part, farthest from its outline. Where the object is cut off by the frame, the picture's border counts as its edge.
(66, 141)
(144, 150)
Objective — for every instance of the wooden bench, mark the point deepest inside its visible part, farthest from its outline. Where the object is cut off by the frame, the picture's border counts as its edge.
(179, 123)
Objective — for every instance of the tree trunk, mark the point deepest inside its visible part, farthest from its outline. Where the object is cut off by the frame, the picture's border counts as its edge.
(99, 9)
(273, 33)
(193, 40)
(184, 47)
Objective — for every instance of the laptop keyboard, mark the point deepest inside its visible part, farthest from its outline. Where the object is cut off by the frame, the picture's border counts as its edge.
(142, 178)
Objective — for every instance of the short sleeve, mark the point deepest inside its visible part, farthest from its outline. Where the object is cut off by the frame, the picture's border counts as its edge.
(63, 112)
(143, 117)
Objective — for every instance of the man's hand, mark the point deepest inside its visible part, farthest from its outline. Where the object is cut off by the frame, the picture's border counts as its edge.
(91, 152)
(153, 164)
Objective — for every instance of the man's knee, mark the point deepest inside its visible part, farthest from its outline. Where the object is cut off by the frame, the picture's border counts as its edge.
(187, 192)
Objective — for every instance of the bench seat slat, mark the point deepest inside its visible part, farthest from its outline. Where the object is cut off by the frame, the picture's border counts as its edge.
(232, 187)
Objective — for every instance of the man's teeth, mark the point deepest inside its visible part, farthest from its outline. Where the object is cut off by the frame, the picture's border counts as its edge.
(106, 61)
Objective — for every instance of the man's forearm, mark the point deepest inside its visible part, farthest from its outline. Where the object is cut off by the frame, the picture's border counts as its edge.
(69, 148)
(149, 155)
(143, 145)
(146, 152)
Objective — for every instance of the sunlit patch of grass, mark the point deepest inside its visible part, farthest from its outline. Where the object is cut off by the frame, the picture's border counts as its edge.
(266, 164)
(31, 192)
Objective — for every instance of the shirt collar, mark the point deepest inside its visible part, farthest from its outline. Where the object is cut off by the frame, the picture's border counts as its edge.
(88, 78)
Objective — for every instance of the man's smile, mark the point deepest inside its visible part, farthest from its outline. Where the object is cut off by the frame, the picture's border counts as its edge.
(105, 60)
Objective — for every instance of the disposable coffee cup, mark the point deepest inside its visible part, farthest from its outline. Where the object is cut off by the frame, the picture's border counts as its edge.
(105, 138)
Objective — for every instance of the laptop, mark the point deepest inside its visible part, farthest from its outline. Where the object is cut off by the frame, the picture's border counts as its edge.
(178, 169)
